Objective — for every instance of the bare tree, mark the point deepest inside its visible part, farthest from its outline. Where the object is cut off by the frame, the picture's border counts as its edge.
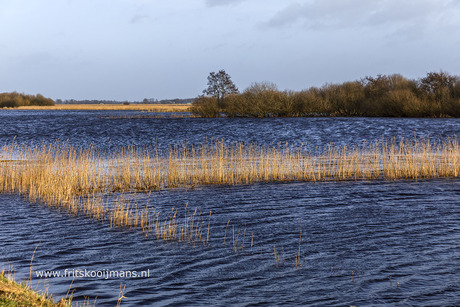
(438, 84)
(220, 85)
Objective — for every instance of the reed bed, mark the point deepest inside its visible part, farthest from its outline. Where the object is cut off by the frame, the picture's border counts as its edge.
(56, 171)
(79, 179)
(189, 227)
(118, 107)
(175, 114)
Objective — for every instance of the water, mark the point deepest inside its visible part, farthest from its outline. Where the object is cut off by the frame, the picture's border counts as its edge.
(387, 243)
(104, 130)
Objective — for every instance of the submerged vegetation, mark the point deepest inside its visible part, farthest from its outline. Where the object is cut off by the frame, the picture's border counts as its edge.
(14, 100)
(435, 95)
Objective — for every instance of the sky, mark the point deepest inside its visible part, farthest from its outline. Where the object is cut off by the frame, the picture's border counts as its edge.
(136, 49)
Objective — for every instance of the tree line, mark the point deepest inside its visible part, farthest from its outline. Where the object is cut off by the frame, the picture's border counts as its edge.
(14, 100)
(435, 95)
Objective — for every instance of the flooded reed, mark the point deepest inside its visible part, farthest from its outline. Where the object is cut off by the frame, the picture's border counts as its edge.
(78, 179)
(51, 173)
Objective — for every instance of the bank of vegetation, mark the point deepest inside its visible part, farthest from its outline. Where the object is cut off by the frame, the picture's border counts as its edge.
(15, 294)
(435, 95)
(14, 100)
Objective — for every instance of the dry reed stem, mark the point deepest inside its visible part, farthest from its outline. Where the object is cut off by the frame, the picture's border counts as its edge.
(276, 255)
(121, 295)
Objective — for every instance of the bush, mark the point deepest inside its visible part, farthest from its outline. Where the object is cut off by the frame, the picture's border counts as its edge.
(309, 102)
(14, 100)
(205, 107)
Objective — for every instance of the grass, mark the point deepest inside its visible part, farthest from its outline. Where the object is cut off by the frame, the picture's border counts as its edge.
(14, 294)
(118, 107)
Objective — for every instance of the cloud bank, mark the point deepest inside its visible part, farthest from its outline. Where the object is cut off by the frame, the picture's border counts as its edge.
(335, 14)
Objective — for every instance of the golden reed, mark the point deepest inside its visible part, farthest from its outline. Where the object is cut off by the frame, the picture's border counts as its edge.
(58, 170)
(118, 107)
(76, 179)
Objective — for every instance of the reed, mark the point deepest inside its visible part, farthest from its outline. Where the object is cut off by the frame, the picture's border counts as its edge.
(123, 213)
(53, 173)
(276, 255)
(78, 180)
(121, 295)
(209, 225)
(244, 237)
(117, 107)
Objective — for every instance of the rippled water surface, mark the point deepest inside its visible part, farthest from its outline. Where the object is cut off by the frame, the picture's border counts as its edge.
(362, 243)
(106, 129)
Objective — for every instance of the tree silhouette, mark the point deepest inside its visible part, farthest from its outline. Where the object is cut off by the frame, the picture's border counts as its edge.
(220, 85)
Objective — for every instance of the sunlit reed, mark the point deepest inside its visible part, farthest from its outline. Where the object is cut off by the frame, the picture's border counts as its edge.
(78, 179)
(52, 173)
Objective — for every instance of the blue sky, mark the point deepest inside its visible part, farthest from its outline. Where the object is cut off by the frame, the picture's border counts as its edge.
(135, 49)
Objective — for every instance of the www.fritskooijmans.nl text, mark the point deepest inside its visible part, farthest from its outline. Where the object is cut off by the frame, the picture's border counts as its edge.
(100, 274)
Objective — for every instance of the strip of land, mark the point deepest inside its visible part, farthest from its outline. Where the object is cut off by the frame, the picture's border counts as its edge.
(116, 107)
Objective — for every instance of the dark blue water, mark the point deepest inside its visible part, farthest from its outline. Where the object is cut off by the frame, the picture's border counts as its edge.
(386, 243)
(104, 130)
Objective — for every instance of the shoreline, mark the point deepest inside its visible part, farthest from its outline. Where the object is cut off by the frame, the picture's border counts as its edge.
(114, 107)
(16, 294)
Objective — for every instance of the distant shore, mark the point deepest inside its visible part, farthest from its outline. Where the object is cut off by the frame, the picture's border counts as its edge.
(117, 107)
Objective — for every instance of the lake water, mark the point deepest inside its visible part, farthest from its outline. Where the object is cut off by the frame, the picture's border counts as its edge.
(363, 243)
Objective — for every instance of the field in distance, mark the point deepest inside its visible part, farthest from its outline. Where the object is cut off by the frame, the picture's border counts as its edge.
(120, 107)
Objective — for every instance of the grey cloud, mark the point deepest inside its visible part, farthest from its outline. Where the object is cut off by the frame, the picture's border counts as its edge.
(289, 15)
(364, 13)
(213, 3)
